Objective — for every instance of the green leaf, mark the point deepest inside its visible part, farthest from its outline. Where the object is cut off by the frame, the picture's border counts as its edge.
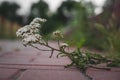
(80, 43)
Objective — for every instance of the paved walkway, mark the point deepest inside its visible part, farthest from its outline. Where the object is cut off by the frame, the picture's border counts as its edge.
(25, 63)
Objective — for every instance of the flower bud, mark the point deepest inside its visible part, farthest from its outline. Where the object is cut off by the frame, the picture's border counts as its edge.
(63, 45)
(57, 34)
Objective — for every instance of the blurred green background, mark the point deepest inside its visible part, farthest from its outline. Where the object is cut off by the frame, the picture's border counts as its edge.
(78, 20)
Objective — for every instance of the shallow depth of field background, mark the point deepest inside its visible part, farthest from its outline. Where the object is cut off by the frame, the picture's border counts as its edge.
(85, 23)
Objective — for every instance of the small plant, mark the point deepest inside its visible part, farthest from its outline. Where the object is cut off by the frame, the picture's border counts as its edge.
(31, 35)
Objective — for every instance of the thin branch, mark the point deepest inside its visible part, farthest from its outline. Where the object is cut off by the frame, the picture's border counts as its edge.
(59, 44)
(38, 48)
(56, 49)
(104, 68)
(51, 53)
(108, 60)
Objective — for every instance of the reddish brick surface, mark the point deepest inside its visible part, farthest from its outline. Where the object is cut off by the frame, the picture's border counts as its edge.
(38, 58)
(49, 61)
(32, 64)
(51, 75)
(14, 60)
(103, 74)
(35, 67)
(6, 74)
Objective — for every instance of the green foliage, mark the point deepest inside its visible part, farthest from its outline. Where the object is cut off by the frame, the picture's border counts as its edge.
(60, 18)
(39, 9)
(1, 31)
(80, 43)
(115, 63)
(110, 35)
(78, 27)
(9, 11)
(52, 24)
(83, 60)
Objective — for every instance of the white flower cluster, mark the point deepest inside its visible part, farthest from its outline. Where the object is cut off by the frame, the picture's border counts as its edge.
(63, 45)
(30, 33)
(57, 34)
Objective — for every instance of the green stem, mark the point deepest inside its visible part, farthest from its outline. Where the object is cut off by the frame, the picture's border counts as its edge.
(96, 67)
(59, 50)
(59, 44)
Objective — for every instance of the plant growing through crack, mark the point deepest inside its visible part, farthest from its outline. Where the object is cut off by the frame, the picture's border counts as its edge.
(31, 35)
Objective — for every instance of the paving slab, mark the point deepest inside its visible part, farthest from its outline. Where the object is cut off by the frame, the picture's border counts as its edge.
(7, 74)
(51, 75)
(49, 61)
(35, 67)
(17, 60)
(98, 74)
(39, 58)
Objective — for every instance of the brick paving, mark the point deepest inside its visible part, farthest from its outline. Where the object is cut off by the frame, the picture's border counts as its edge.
(25, 63)
(103, 74)
(7, 74)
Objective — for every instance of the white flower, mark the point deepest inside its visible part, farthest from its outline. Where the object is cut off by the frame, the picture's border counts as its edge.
(57, 34)
(38, 36)
(25, 43)
(22, 30)
(30, 33)
(37, 20)
(26, 35)
(30, 39)
(63, 45)
(35, 25)
(35, 30)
